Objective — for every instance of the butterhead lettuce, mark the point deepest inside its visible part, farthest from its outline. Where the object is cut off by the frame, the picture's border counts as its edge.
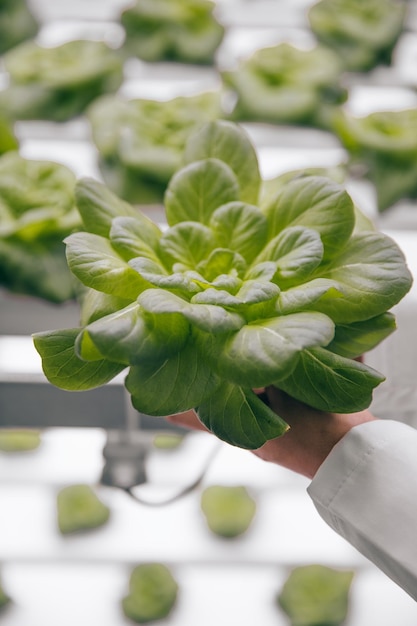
(285, 84)
(58, 83)
(37, 211)
(384, 143)
(141, 141)
(231, 296)
(186, 31)
(363, 34)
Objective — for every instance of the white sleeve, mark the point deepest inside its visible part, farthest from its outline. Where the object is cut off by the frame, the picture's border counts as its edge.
(366, 490)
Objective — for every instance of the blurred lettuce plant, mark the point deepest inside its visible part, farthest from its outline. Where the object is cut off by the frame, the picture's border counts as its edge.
(80, 509)
(19, 439)
(152, 595)
(362, 32)
(37, 211)
(316, 595)
(57, 83)
(186, 31)
(385, 143)
(228, 509)
(141, 142)
(233, 295)
(284, 84)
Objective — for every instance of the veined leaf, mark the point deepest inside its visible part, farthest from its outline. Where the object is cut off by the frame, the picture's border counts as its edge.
(239, 417)
(132, 336)
(196, 190)
(254, 300)
(93, 260)
(230, 283)
(297, 251)
(221, 262)
(306, 296)
(229, 143)
(265, 351)
(64, 369)
(132, 237)
(353, 340)
(258, 299)
(329, 382)
(187, 243)
(262, 271)
(156, 276)
(86, 350)
(176, 384)
(206, 317)
(240, 227)
(95, 304)
(256, 291)
(98, 206)
(370, 283)
(314, 202)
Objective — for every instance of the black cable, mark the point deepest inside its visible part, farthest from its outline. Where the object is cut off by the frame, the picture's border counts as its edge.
(183, 492)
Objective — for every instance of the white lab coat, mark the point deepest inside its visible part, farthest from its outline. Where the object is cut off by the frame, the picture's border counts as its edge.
(366, 490)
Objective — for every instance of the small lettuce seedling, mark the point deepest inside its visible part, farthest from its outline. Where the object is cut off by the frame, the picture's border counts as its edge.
(316, 595)
(231, 296)
(80, 509)
(153, 593)
(19, 440)
(228, 509)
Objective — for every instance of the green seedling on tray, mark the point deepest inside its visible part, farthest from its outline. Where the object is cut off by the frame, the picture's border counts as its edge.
(17, 23)
(57, 83)
(19, 440)
(152, 593)
(37, 211)
(385, 144)
(141, 142)
(185, 31)
(284, 84)
(363, 34)
(80, 509)
(233, 295)
(316, 595)
(167, 441)
(228, 510)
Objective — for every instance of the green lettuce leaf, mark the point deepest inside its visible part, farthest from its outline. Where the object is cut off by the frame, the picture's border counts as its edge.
(330, 382)
(64, 369)
(239, 417)
(229, 143)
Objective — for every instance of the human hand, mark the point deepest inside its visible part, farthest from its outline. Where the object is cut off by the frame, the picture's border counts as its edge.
(309, 440)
